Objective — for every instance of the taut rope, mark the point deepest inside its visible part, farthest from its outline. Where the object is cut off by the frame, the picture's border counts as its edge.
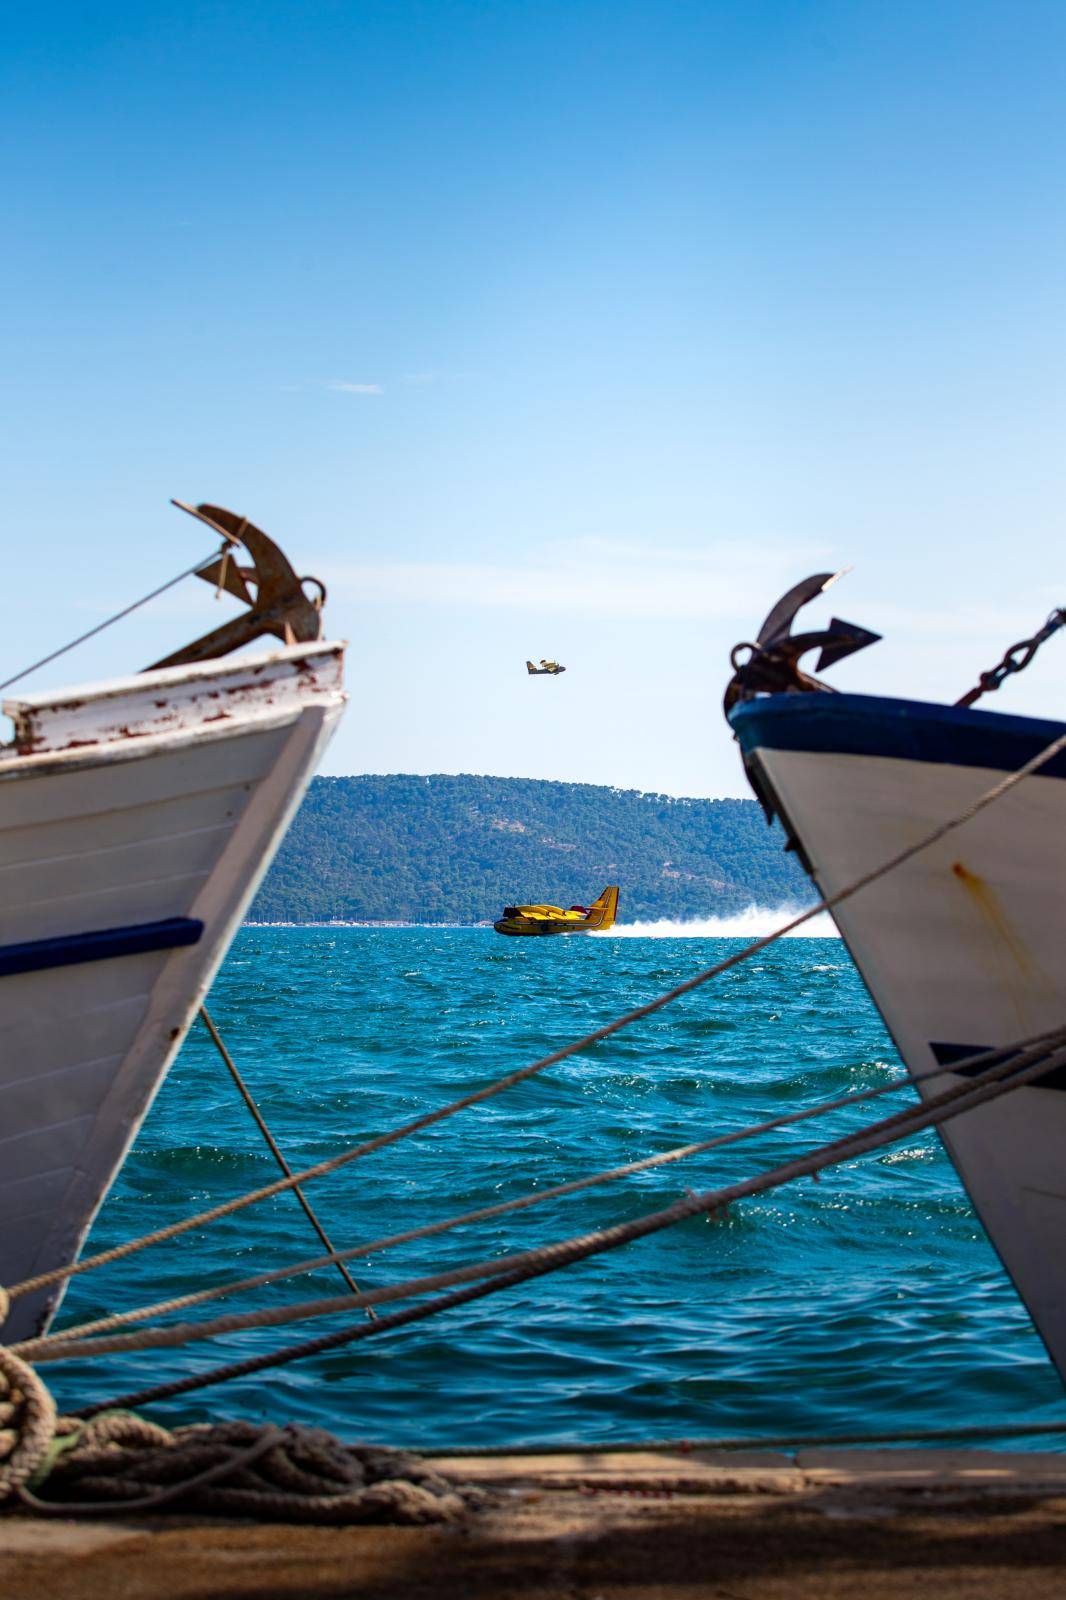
(109, 622)
(337, 1257)
(774, 1441)
(508, 1271)
(32, 1349)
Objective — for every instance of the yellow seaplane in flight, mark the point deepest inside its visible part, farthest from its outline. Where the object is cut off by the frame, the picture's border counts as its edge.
(553, 919)
(551, 667)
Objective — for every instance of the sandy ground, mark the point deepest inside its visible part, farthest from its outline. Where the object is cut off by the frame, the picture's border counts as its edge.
(874, 1525)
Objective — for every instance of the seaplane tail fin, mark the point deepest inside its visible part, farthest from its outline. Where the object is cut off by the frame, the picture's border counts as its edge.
(530, 668)
(603, 911)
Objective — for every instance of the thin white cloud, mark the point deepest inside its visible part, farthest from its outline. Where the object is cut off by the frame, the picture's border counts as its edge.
(435, 375)
(594, 577)
(345, 386)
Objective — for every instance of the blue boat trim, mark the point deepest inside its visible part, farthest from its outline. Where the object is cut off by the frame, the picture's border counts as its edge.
(103, 944)
(903, 730)
(947, 1054)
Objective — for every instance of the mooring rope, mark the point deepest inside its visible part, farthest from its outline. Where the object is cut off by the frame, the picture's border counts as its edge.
(109, 622)
(120, 1464)
(508, 1271)
(27, 1422)
(31, 1348)
(508, 1080)
(337, 1257)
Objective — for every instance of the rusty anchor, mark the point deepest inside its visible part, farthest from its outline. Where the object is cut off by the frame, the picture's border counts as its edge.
(279, 605)
(773, 663)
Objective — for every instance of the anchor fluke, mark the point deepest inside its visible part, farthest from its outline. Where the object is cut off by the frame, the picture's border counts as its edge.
(276, 598)
(778, 624)
(845, 639)
(773, 661)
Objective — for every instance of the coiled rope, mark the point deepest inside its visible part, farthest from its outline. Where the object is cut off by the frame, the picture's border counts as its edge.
(116, 1465)
(119, 1464)
(508, 1080)
(27, 1419)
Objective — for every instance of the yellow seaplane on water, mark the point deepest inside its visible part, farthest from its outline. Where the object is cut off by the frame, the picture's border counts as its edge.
(553, 919)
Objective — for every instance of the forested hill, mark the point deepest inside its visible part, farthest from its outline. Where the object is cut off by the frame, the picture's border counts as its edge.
(457, 849)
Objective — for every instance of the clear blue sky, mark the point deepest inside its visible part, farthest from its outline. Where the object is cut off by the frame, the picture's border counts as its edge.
(578, 329)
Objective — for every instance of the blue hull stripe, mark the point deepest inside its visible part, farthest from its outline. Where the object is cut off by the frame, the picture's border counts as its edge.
(903, 730)
(70, 950)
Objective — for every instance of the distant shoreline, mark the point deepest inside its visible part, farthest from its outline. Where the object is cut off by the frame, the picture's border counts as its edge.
(338, 923)
(753, 922)
(401, 846)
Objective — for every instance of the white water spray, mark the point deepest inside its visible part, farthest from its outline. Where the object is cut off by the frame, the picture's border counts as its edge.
(754, 922)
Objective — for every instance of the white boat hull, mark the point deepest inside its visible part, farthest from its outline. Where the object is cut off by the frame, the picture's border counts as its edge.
(964, 946)
(136, 821)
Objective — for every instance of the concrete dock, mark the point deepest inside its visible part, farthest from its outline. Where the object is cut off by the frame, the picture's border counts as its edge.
(824, 1524)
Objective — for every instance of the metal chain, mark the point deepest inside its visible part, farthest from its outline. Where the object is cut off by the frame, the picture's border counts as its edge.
(1016, 659)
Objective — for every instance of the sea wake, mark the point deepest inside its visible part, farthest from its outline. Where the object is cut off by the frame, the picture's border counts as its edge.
(754, 922)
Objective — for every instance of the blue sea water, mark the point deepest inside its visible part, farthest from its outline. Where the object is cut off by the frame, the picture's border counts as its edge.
(868, 1300)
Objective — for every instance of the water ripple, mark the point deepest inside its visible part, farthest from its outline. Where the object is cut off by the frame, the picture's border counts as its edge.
(864, 1301)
